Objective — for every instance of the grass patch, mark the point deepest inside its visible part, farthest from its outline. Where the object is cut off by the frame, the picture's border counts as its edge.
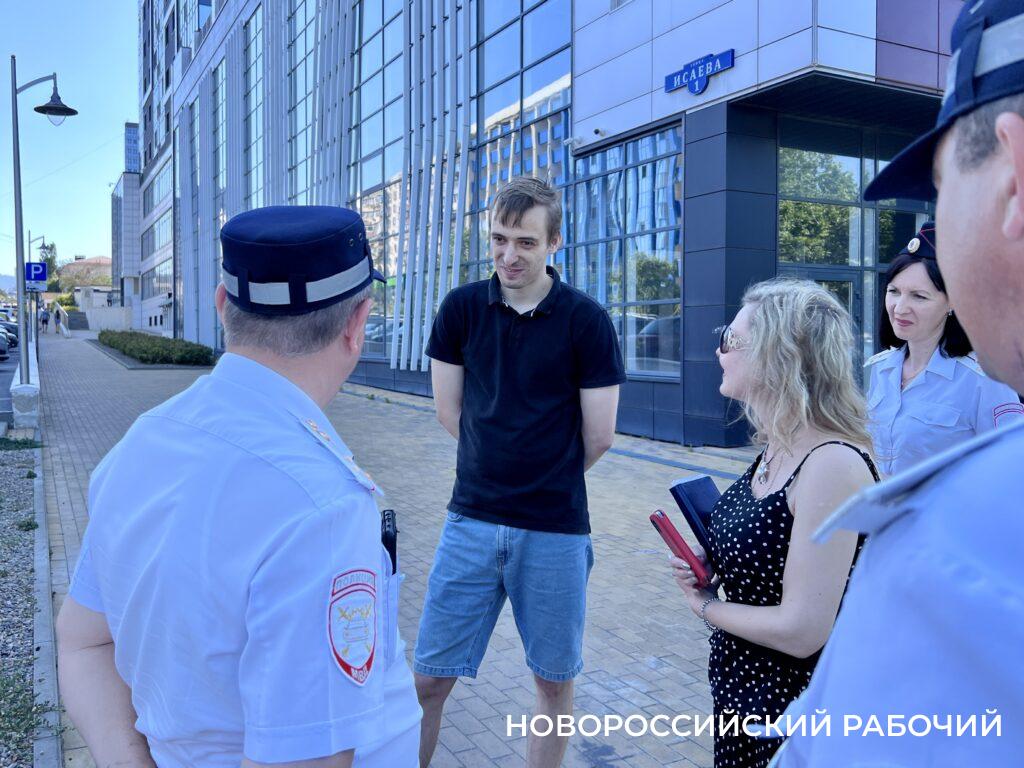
(147, 348)
(18, 444)
(20, 715)
(28, 524)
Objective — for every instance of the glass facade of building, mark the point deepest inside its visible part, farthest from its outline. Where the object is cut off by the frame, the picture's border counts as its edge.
(826, 232)
(158, 281)
(254, 110)
(301, 77)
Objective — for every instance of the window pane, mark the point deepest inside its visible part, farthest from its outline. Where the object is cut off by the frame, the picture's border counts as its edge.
(500, 108)
(394, 75)
(371, 17)
(500, 56)
(895, 230)
(546, 29)
(599, 271)
(371, 134)
(544, 151)
(815, 233)
(640, 183)
(818, 160)
(651, 338)
(371, 173)
(652, 269)
(393, 39)
(394, 121)
(546, 86)
(373, 56)
(370, 94)
(498, 12)
(393, 162)
(668, 191)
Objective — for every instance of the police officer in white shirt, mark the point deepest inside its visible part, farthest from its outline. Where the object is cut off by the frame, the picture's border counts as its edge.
(924, 659)
(926, 391)
(233, 603)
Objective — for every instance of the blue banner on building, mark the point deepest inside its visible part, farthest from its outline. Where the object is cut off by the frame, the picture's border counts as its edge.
(696, 74)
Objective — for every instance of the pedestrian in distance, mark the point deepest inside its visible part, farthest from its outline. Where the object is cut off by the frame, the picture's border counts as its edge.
(926, 390)
(787, 357)
(234, 603)
(56, 322)
(922, 668)
(44, 318)
(526, 373)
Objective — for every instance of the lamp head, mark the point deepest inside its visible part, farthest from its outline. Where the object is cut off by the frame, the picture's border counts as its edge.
(55, 109)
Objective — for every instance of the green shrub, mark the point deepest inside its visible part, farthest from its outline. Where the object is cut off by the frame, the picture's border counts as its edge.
(147, 348)
(67, 300)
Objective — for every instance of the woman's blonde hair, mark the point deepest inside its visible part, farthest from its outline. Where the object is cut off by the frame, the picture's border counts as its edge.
(800, 348)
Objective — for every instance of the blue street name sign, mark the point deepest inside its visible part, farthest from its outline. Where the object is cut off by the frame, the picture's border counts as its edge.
(696, 74)
(35, 276)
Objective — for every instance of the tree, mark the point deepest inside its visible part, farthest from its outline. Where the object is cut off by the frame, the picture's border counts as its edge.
(816, 233)
(49, 253)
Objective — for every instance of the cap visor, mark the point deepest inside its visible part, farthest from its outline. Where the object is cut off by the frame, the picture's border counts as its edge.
(376, 275)
(909, 174)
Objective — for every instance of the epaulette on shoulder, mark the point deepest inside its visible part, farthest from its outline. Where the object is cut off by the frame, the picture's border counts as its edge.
(880, 356)
(970, 360)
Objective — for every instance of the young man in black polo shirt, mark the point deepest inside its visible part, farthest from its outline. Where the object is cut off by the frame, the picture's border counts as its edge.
(526, 373)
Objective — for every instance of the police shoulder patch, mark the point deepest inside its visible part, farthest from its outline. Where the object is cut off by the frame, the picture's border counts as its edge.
(880, 356)
(352, 623)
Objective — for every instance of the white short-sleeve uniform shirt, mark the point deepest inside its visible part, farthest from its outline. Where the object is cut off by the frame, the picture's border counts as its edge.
(952, 400)
(234, 547)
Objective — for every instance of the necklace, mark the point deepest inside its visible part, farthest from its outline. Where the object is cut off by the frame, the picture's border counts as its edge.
(764, 467)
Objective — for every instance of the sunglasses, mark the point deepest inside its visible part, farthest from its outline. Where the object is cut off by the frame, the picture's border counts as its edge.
(727, 340)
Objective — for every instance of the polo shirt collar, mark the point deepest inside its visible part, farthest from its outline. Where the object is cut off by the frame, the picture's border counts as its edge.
(546, 305)
(277, 389)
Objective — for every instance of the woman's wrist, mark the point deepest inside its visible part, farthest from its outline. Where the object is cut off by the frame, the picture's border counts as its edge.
(704, 612)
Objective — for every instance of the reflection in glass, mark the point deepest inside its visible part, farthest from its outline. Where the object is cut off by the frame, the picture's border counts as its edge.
(500, 108)
(546, 86)
(544, 152)
(895, 230)
(651, 338)
(817, 233)
(818, 175)
(393, 162)
(371, 173)
(500, 56)
(371, 207)
(652, 270)
(498, 12)
(599, 271)
(545, 29)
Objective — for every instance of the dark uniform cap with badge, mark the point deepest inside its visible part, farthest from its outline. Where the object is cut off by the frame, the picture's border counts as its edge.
(987, 64)
(295, 259)
(923, 243)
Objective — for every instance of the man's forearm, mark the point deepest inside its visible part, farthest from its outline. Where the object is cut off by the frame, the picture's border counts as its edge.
(100, 705)
(450, 421)
(594, 449)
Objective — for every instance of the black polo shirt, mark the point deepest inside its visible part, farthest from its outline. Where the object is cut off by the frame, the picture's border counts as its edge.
(520, 456)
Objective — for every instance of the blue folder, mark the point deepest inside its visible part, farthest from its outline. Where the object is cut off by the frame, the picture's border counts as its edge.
(696, 497)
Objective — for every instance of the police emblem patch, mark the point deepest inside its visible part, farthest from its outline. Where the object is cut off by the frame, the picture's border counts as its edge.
(352, 622)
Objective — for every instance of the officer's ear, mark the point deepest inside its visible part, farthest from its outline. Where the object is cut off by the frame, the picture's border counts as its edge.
(1010, 134)
(355, 328)
(220, 297)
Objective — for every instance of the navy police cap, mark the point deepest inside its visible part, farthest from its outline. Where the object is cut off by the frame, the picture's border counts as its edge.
(987, 64)
(923, 243)
(294, 259)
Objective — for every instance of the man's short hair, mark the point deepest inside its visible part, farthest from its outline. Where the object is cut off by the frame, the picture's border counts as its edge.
(290, 335)
(520, 194)
(976, 131)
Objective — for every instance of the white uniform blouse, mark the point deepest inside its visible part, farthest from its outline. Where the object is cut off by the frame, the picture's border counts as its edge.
(952, 400)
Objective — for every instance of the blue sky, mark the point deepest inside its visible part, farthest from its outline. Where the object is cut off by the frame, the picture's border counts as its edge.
(67, 172)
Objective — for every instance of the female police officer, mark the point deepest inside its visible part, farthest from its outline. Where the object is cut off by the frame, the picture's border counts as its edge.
(927, 391)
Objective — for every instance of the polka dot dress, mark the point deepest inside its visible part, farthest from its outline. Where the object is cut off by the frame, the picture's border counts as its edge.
(749, 543)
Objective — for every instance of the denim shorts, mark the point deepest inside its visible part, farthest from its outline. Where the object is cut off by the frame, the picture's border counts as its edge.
(477, 565)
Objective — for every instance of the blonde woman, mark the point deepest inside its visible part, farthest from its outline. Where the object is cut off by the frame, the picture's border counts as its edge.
(787, 357)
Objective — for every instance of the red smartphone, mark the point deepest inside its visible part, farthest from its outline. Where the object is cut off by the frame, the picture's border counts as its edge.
(679, 547)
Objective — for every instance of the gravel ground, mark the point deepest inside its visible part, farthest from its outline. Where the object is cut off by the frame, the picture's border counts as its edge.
(18, 714)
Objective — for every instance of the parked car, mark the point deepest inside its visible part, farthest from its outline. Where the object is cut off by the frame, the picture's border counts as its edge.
(11, 329)
(3, 347)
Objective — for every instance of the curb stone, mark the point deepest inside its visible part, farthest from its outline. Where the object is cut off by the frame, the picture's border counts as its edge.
(46, 748)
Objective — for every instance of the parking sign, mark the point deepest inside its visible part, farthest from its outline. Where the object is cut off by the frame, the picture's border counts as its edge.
(35, 276)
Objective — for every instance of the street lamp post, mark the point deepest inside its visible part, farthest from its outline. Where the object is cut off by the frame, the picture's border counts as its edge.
(56, 111)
